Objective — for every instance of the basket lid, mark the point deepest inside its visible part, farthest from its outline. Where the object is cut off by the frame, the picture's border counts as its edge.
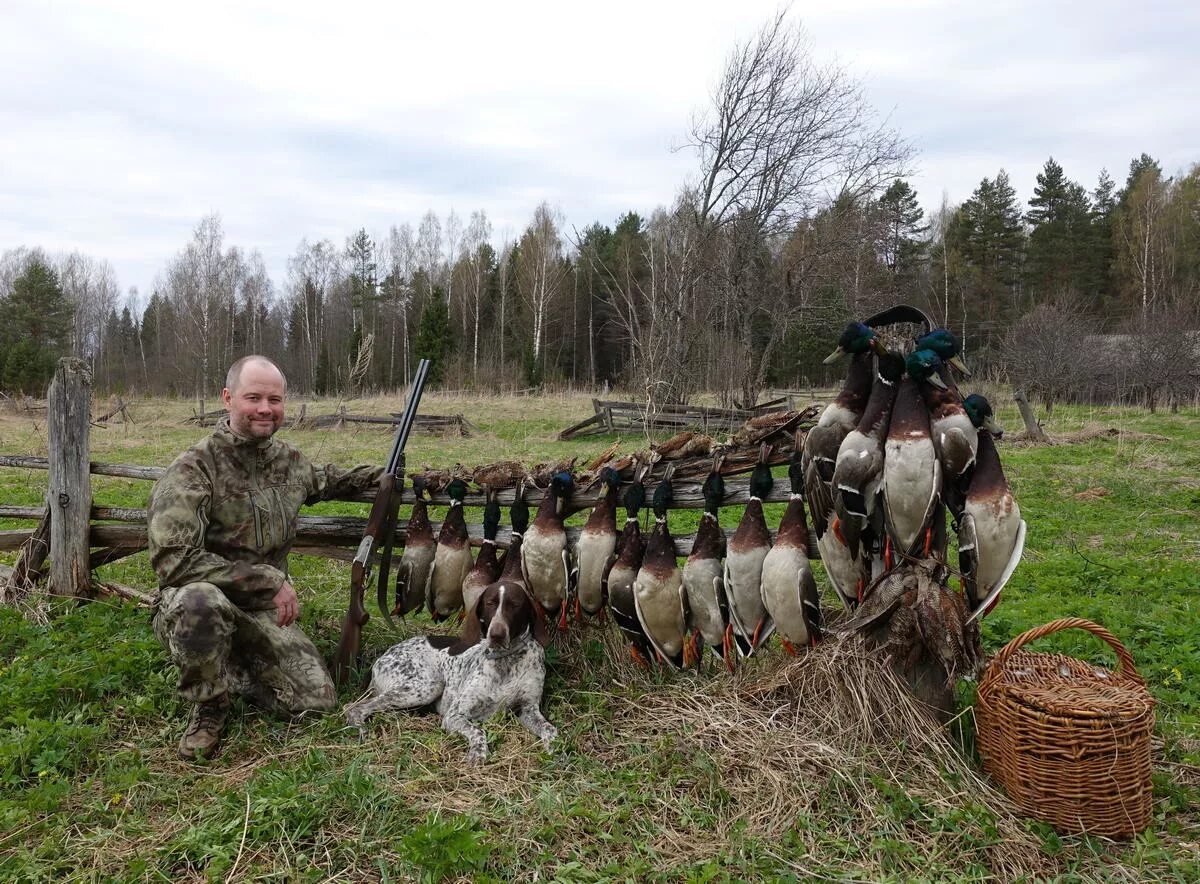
(1067, 687)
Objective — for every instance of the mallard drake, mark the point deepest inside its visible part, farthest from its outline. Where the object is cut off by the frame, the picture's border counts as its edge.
(624, 571)
(859, 467)
(946, 345)
(789, 590)
(486, 569)
(658, 594)
(703, 578)
(991, 533)
(749, 624)
(955, 434)
(412, 575)
(912, 473)
(596, 547)
(544, 551)
(452, 558)
(822, 442)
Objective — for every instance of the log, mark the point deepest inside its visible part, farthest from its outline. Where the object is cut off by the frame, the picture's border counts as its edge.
(121, 470)
(27, 570)
(120, 590)
(69, 496)
(1032, 428)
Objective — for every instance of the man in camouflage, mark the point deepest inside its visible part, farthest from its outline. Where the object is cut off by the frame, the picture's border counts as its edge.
(222, 520)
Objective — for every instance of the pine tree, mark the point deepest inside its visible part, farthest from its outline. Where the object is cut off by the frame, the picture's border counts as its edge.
(1104, 203)
(36, 318)
(1058, 259)
(989, 235)
(903, 243)
(434, 335)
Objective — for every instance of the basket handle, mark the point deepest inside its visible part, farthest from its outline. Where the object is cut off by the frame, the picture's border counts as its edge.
(1126, 664)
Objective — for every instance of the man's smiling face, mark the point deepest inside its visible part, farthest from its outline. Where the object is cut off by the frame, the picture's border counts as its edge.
(255, 405)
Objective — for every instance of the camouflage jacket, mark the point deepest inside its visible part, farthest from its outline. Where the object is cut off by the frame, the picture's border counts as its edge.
(225, 513)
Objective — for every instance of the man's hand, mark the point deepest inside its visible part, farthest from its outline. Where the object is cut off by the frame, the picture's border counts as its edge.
(287, 605)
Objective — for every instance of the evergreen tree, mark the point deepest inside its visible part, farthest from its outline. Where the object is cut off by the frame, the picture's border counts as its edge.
(36, 318)
(434, 335)
(1104, 203)
(1058, 259)
(903, 244)
(990, 237)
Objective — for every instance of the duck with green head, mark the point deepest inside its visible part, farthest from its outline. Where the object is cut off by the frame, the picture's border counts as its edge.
(544, 552)
(624, 571)
(749, 623)
(596, 547)
(946, 345)
(703, 581)
(822, 442)
(789, 590)
(658, 593)
(912, 473)
(452, 558)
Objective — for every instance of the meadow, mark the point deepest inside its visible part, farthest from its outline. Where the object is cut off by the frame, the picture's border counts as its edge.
(656, 776)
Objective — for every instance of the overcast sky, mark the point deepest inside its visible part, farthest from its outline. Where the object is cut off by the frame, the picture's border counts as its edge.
(125, 123)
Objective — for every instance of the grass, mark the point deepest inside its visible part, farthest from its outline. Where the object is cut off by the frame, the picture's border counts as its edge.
(656, 777)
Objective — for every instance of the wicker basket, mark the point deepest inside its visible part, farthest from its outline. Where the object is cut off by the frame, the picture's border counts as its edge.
(1068, 741)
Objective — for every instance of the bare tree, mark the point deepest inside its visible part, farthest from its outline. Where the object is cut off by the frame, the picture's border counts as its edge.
(540, 272)
(479, 257)
(1044, 353)
(1161, 352)
(429, 249)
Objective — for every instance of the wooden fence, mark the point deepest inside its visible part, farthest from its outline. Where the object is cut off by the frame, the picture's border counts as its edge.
(613, 417)
(83, 535)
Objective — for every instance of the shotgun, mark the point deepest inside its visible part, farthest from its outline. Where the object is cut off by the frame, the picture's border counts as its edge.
(381, 527)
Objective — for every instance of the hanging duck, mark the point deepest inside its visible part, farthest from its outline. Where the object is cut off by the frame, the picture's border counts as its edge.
(544, 551)
(658, 594)
(859, 468)
(486, 569)
(912, 473)
(749, 624)
(596, 547)
(412, 576)
(946, 345)
(789, 590)
(839, 418)
(991, 533)
(452, 558)
(624, 571)
(703, 578)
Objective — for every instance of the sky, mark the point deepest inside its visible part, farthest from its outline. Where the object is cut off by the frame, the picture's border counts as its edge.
(125, 123)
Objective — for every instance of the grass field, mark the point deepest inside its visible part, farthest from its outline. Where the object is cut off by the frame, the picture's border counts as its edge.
(656, 776)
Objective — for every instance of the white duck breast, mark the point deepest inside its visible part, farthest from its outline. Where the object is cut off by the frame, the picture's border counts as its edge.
(998, 532)
(704, 583)
(659, 601)
(743, 586)
(785, 576)
(912, 473)
(593, 553)
(412, 577)
(844, 569)
(450, 568)
(544, 560)
(955, 439)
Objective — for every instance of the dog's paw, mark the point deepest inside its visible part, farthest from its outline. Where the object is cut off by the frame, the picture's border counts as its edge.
(355, 717)
(476, 756)
(548, 735)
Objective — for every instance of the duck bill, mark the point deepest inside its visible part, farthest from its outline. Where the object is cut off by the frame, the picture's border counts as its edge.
(960, 366)
(833, 357)
(937, 382)
(994, 428)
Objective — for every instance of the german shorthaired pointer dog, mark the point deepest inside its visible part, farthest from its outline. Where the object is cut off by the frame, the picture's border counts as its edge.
(497, 663)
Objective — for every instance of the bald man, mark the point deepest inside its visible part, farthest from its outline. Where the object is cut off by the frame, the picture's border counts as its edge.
(222, 520)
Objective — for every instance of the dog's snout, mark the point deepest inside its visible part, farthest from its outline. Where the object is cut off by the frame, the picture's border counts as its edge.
(497, 633)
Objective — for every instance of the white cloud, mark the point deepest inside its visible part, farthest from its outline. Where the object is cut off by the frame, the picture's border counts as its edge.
(125, 122)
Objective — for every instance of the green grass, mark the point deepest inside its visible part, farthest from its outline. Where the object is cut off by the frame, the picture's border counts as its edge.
(90, 788)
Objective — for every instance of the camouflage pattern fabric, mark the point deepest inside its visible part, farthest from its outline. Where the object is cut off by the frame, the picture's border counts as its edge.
(220, 648)
(223, 516)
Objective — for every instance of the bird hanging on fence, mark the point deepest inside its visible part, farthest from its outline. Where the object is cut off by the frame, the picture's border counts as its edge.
(596, 547)
(954, 432)
(946, 345)
(486, 569)
(822, 442)
(789, 590)
(452, 558)
(412, 576)
(658, 594)
(703, 577)
(544, 552)
(749, 624)
(624, 571)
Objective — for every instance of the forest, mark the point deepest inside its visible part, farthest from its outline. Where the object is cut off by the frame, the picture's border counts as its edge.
(798, 216)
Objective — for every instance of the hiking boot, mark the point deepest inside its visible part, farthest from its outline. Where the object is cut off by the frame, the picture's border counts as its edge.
(203, 735)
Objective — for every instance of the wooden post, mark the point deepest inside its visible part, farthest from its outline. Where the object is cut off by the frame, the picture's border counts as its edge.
(69, 497)
(1032, 428)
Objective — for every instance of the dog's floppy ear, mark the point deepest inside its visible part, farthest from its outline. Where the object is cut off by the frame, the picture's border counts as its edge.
(538, 620)
(471, 632)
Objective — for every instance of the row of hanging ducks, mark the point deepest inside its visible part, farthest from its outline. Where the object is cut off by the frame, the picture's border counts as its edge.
(897, 450)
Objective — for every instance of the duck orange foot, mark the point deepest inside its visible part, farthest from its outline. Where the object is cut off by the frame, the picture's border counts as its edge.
(638, 657)
(789, 647)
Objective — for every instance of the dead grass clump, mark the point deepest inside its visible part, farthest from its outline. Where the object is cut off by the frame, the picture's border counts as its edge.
(1087, 433)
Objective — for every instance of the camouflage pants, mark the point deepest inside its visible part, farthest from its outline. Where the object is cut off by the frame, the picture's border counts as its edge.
(221, 648)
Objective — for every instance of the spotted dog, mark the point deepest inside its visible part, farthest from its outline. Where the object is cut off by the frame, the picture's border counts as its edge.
(497, 663)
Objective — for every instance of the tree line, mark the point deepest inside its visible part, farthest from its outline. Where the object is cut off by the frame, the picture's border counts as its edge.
(797, 217)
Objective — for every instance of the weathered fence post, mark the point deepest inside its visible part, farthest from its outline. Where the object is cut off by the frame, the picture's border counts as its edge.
(1032, 427)
(69, 496)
